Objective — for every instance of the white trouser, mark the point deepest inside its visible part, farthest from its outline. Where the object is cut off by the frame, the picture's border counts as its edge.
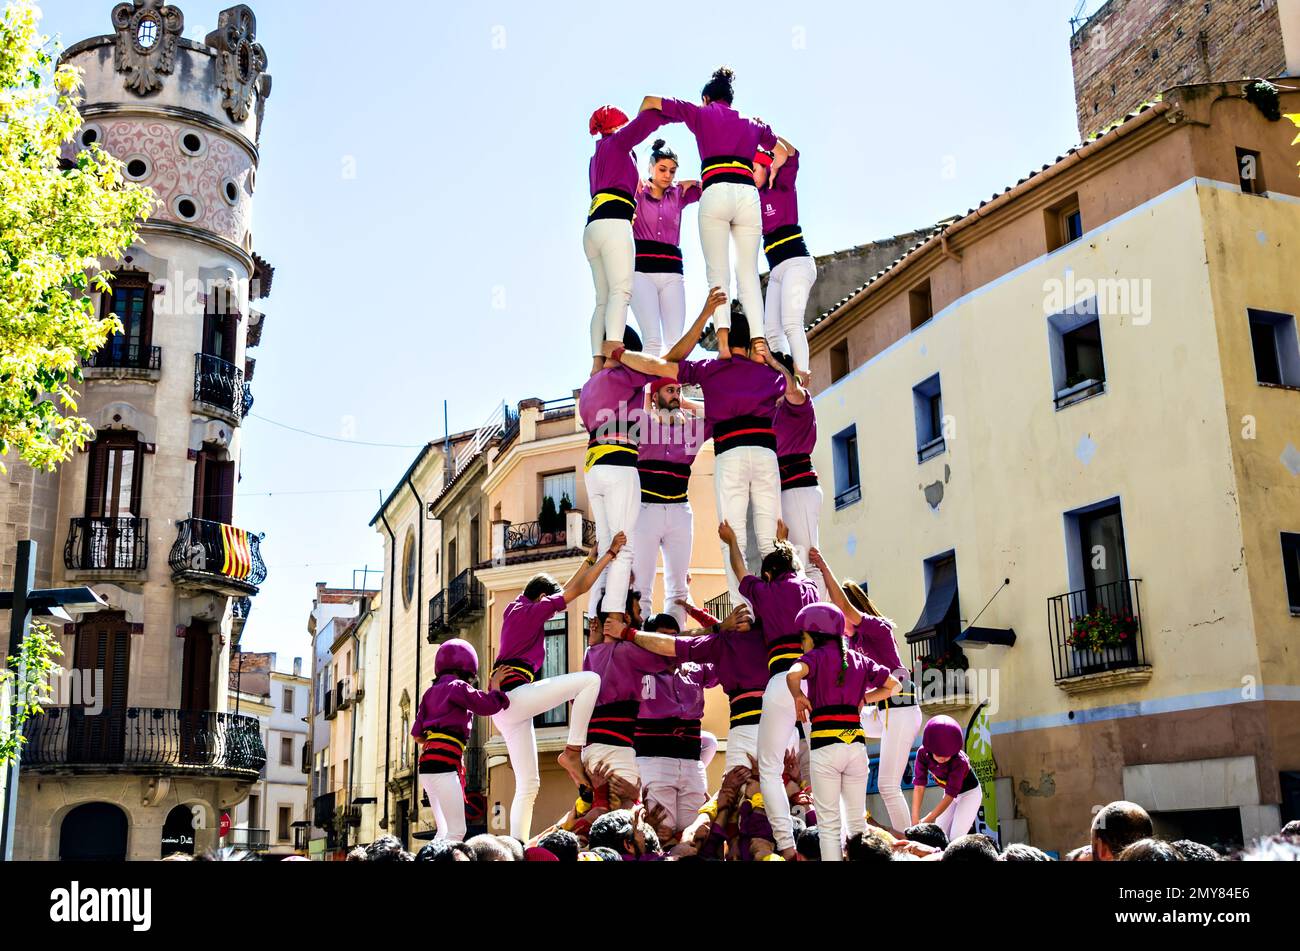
(730, 211)
(896, 730)
(743, 476)
(620, 760)
(614, 493)
(960, 815)
(839, 771)
(678, 785)
(776, 736)
(801, 509)
(515, 724)
(672, 528)
(788, 286)
(659, 303)
(742, 743)
(611, 253)
(447, 799)
(708, 748)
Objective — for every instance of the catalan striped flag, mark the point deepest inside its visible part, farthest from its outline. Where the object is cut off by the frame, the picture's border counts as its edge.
(238, 561)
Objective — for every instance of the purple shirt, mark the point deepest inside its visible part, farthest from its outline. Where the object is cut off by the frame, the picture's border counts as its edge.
(676, 440)
(609, 399)
(874, 637)
(719, 129)
(660, 219)
(735, 387)
(796, 428)
(780, 202)
(451, 702)
(614, 164)
(956, 775)
(523, 626)
(824, 666)
(777, 602)
(739, 658)
(677, 693)
(622, 666)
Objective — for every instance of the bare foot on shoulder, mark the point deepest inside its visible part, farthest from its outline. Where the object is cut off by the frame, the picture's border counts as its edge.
(571, 762)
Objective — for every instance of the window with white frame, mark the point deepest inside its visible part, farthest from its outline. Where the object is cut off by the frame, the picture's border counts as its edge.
(556, 663)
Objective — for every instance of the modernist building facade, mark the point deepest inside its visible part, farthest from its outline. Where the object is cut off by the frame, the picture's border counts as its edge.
(1064, 439)
(145, 515)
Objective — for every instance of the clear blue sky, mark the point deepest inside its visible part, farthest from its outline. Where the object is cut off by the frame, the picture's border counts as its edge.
(450, 266)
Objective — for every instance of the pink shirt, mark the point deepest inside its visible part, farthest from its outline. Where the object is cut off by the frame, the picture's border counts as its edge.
(660, 219)
(677, 693)
(669, 437)
(780, 202)
(614, 163)
(523, 628)
(622, 665)
(609, 399)
(824, 687)
(735, 387)
(451, 702)
(796, 427)
(720, 130)
(875, 638)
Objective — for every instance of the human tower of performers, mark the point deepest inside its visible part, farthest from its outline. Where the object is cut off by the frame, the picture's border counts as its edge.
(810, 667)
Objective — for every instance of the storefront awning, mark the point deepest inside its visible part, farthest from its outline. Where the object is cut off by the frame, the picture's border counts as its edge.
(986, 636)
(939, 601)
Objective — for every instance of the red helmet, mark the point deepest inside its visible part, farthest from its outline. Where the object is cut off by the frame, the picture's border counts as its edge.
(606, 119)
(821, 618)
(456, 655)
(943, 736)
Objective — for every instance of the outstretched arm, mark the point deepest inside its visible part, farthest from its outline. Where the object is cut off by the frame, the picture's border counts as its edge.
(728, 536)
(648, 364)
(793, 680)
(651, 102)
(682, 348)
(795, 394)
(837, 596)
(891, 687)
(590, 570)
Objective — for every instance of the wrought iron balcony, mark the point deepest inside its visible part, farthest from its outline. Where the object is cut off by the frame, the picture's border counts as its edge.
(217, 557)
(437, 615)
(719, 607)
(107, 545)
(1097, 630)
(120, 354)
(464, 597)
(219, 388)
(530, 536)
(144, 739)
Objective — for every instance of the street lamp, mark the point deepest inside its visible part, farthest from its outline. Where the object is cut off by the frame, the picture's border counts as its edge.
(23, 603)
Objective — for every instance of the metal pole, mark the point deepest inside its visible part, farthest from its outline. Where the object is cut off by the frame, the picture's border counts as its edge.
(20, 620)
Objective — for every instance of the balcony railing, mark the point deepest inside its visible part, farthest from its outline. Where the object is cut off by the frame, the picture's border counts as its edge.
(330, 710)
(464, 596)
(145, 737)
(219, 384)
(250, 840)
(1096, 630)
(216, 556)
(107, 544)
(118, 354)
(719, 607)
(849, 496)
(526, 536)
(437, 614)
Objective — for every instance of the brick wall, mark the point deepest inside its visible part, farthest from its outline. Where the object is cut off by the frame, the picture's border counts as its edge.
(1133, 49)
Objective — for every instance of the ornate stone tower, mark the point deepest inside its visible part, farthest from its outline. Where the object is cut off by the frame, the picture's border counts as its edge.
(141, 757)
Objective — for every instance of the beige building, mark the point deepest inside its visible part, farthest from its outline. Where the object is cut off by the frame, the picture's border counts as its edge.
(143, 749)
(1063, 437)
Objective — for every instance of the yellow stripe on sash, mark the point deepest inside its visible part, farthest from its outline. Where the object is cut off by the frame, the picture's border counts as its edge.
(745, 165)
(596, 453)
(604, 197)
(837, 734)
(660, 495)
(777, 244)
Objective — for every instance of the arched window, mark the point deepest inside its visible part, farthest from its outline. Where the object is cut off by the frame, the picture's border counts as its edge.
(408, 568)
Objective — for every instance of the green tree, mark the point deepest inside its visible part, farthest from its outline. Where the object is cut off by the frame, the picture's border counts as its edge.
(58, 221)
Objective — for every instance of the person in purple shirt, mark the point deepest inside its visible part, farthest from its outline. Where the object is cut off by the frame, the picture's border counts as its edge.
(896, 722)
(658, 286)
(942, 758)
(607, 239)
(443, 723)
(729, 207)
(520, 656)
(740, 398)
(795, 422)
(792, 272)
(839, 680)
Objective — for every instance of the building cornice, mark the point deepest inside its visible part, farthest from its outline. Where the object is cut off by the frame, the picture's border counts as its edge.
(106, 110)
(170, 229)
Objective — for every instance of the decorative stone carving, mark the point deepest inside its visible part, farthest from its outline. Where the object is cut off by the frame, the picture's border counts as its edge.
(147, 31)
(241, 59)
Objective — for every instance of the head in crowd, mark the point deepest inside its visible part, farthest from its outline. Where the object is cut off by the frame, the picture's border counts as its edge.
(606, 120)
(616, 830)
(781, 560)
(663, 164)
(808, 845)
(1150, 850)
(867, 847)
(513, 846)
(358, 854)
(1116, 827)
(1292, 827)
(943, 738)
(741, 341)
(388, 848)
(456, 658)
(1195, 851)
(600, 853)
(541, 586)
(490, 848)
(666, 394)
(538, 854)
(562, 844)
(859, 598)
(1082, 854)
(927, 833)
(1273, 848)
(720, 87)
(822, 623)
(663, 624)
(445, 850)
(971, 848)
(1019, 852)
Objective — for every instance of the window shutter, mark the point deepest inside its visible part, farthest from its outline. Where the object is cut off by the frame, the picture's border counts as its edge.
(97, 475)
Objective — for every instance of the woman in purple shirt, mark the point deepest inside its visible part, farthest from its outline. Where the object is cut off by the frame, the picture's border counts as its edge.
(839, 681)
(897, 721)
(607, 240)
(791, 269)
(658, 287)
(729, 207)
(795, 422)
(941, 757)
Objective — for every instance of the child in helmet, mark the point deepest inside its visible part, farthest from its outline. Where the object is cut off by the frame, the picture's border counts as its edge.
(442, 724)
(941, 756)
(840, 680)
